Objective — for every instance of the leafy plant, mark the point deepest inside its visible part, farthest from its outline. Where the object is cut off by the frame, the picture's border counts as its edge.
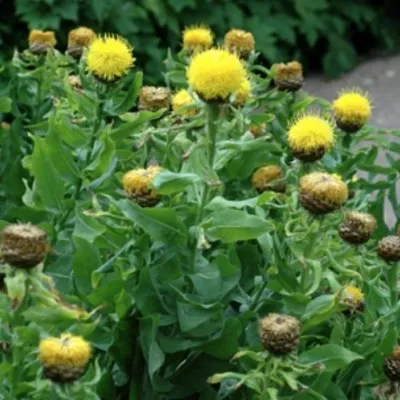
(170, 292)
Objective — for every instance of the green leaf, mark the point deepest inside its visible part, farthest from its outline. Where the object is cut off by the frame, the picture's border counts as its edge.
(219, 203)
(49, 184)
(233, 225)
(86, 259)
(151, 350)
(332, 356)
(87, 227)
(192, 316)
(132, 95)
(167, 182)
(161, 224)
(103, 157)
(319, 310)
(135, 121)
(227, 345)
(5, 104)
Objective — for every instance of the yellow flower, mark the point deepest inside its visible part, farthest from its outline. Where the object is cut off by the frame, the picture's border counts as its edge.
(215, 74)
(321, 193)
(64, 359)
(268, 177)
(40, 42)
(288, 76)
(239, 41)
(352, 110)
(67, 350)
(353, 294)
(81, 36)
(182, 99)
(137, 184)
(243, 94)
(197, 38)
(109, 57)
(310, 136)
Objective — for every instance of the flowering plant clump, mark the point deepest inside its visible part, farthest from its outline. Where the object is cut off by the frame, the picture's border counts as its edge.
(213, 238)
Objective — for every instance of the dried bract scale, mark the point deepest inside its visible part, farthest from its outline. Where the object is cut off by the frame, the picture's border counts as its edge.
(154, 98)
(137, 184)
(75, 82)
(279, 334)
(40, 42)
(240, 42)
(391, 365)
(78, 40)
(357, 227)
(322, 193)
(257, 130)
(23, 245)
(269, 177)
(389, 248)
(288, 76)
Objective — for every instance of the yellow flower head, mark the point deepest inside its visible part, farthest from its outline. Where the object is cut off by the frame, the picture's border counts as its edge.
(352, 296)
(137, 184)
(109, 57)
(321, 193)
(352, 110)
(268, 177)
(215, 74)
(81, 36)
(244, 92)
(154, 98)
(197, 38)
(240, 42)
(310, 136)
(67, 351)
(47, 38)
(182, 99)
(288, 76)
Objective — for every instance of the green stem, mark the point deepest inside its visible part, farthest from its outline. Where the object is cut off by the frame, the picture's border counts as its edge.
(212, 113)
(89, 153)
(347, 142)
(258, 296)
(392, 282)
(96, 125)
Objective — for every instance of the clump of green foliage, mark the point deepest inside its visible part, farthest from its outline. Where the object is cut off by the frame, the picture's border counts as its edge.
(330, 35)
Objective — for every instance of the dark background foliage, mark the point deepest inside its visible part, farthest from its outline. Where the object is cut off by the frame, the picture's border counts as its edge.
(328, 35)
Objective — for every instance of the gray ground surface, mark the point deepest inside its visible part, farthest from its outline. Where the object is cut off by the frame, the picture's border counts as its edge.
(381, 79)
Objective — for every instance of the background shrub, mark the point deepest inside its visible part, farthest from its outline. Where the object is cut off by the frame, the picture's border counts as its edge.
(324, 34)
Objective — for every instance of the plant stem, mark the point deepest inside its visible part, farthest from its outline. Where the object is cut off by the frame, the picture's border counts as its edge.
(89, 153)
(96, 125)
(392, 282)
(212, 113)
